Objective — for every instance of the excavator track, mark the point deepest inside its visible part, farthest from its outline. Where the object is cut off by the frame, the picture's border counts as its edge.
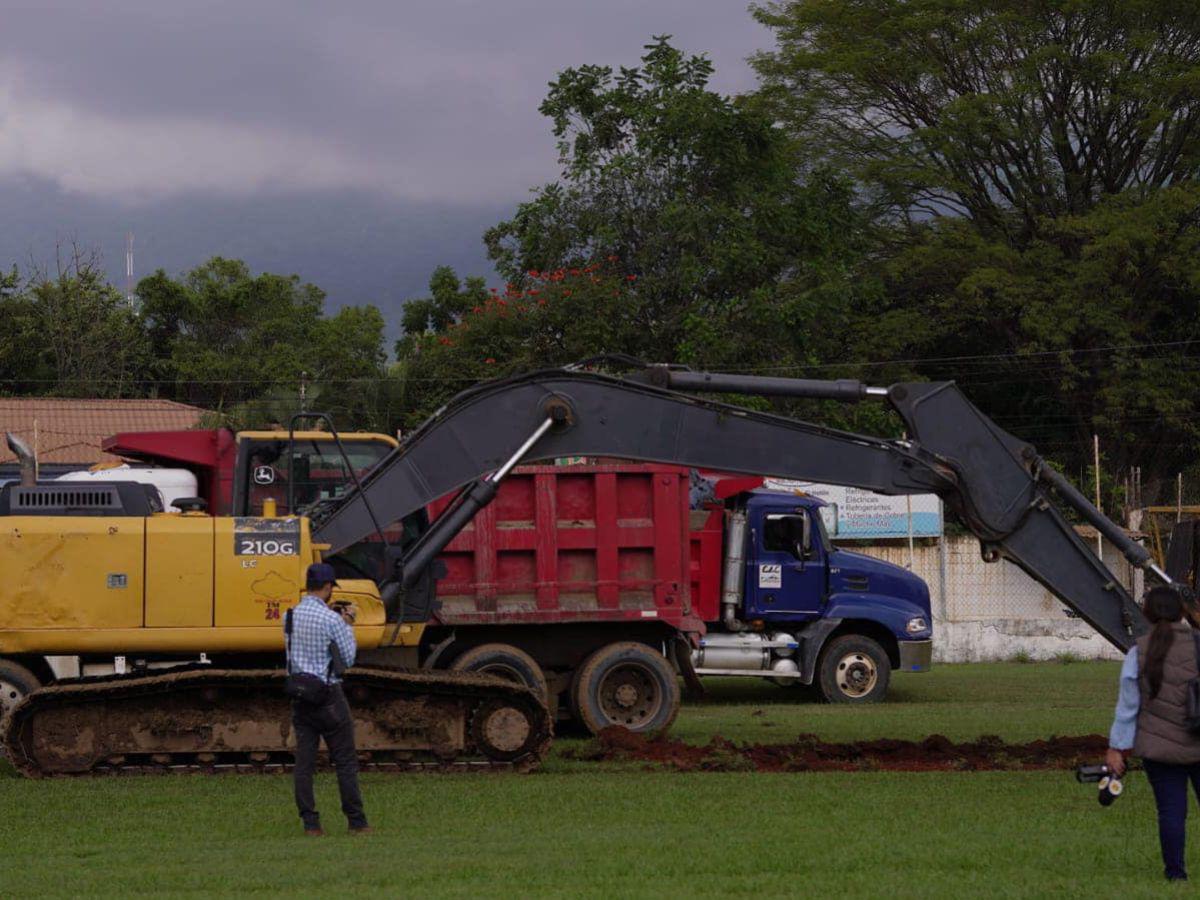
(238, 720)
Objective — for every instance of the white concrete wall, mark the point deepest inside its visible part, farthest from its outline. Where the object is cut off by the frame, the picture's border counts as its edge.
(994, 611)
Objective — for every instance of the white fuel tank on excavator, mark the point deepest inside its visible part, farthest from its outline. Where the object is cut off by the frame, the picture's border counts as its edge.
(172, 484)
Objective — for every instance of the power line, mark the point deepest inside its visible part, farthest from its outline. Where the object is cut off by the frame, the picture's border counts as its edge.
(1041, 360)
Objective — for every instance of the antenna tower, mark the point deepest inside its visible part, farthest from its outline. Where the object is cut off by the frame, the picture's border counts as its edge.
(129, 268)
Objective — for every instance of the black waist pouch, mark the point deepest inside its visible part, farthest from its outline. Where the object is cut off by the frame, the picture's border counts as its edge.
(306, 688)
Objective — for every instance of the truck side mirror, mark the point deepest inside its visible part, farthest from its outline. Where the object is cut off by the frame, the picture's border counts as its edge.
(806, 536)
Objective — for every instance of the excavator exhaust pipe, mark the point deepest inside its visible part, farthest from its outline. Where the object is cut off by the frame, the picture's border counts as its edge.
(25, 457)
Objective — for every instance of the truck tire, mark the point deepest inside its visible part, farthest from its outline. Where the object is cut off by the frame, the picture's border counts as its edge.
(627, 684)
(504, 661)
(854, 669)
(15, 682)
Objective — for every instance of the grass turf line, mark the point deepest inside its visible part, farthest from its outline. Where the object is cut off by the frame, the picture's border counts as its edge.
(577, 829)
(1018, 702)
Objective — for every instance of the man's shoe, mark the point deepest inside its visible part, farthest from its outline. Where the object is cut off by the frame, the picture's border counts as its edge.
(362, 829)
(314, 832)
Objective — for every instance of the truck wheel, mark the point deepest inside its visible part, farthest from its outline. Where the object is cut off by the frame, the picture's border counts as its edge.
(504, 661)
(854, 669)
(15, 682)
(626, 684)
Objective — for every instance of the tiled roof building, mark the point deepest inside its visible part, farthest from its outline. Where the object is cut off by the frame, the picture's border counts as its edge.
(69, 432)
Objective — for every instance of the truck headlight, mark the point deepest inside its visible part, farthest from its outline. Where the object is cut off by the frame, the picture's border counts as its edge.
(916, 625)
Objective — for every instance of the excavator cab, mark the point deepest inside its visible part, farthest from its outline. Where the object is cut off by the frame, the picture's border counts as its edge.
(314, 469)
(310, 471)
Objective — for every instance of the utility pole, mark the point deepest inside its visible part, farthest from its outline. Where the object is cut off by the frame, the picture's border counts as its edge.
(1096, 459)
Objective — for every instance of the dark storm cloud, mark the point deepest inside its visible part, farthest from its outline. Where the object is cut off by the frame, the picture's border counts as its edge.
(436, 100)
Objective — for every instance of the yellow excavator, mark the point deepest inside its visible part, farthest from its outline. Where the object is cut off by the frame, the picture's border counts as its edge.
(187, 608)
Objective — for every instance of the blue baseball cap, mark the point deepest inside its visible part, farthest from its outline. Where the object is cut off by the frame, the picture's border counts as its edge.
(319, 574)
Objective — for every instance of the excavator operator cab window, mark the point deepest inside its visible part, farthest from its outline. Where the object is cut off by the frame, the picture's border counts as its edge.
(316, 469)
(788, 534)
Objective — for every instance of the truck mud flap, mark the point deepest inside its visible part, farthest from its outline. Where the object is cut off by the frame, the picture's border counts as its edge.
(812, 639)
(681, 649)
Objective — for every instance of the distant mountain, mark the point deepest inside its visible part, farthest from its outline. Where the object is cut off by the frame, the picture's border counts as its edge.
(357, 247)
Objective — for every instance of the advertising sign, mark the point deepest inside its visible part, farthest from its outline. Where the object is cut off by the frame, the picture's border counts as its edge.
(857, 513)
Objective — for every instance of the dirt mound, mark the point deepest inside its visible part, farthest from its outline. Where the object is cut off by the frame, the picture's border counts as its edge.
(810, 754)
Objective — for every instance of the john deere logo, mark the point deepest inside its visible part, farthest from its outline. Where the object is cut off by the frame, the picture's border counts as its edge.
(264, 475)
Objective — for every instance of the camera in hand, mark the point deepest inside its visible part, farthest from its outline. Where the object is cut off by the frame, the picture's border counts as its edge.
(1110, 786)
(345, 609)
(1087, 774)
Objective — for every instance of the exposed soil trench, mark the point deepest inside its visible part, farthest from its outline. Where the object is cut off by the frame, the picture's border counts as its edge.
(810, 754)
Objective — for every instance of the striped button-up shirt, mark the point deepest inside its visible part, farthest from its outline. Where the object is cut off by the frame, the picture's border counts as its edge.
(314, 627)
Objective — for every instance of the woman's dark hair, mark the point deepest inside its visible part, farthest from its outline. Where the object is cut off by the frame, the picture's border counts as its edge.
(1163, 607)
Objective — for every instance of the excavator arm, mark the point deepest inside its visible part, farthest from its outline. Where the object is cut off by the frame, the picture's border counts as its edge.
(996, 485)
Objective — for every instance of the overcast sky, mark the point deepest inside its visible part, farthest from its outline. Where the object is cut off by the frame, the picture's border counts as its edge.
(356, 144)
(144, 99)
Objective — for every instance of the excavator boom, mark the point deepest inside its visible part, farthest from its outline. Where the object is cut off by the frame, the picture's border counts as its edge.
(996, 484)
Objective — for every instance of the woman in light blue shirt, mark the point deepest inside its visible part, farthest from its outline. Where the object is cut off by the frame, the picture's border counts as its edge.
(1150, 721)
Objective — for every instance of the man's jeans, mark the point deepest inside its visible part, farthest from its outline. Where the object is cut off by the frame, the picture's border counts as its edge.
(1170, 785)
(332, 721)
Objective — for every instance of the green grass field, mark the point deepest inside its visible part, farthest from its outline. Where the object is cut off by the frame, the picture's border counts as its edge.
(588, 829)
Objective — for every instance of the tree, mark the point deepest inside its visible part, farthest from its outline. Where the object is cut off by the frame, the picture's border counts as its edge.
(83, 328)
(1089, 328)
(24, 352)
(1009, 112)
(695, 194)
(449, 299)
(230, 335)
(349, 367)
(226, 338)
(1030, 167)
(10, 283)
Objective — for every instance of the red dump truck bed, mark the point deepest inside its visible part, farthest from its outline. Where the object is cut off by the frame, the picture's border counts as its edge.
(581, 543)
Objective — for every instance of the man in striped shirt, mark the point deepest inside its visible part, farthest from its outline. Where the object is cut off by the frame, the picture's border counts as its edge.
(317, 632)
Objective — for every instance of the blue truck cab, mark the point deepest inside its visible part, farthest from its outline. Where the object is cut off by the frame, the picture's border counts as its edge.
(809, 612)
